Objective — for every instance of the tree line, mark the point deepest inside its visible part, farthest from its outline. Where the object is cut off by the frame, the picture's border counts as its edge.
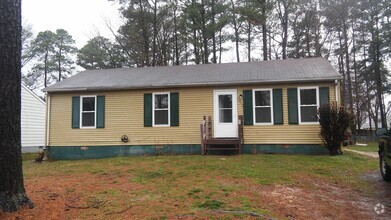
(354, 34)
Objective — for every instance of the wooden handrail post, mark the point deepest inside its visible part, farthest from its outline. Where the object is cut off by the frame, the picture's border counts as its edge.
(203, 135)
(240, 132)
(209, 127)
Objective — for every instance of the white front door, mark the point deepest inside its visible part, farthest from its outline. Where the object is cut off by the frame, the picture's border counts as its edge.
(225, 113)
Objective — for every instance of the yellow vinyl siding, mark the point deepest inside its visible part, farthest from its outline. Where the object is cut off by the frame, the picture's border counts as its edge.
(286, 133)
(124, 115)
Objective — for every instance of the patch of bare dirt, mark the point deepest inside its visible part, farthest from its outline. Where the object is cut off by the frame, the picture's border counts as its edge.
(373, 155)
(68, 196)
(325, 200)
(97, 196)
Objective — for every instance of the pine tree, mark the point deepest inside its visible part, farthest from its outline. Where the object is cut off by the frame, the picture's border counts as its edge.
(12, 193)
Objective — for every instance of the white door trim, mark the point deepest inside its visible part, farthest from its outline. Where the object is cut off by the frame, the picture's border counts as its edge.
(225, 130)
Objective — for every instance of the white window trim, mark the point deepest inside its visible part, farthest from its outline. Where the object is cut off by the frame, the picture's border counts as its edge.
(153, 109)
(299, 103)
(271, 107)
(81, 112)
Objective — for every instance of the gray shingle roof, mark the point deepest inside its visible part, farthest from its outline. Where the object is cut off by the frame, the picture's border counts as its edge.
(277, 71)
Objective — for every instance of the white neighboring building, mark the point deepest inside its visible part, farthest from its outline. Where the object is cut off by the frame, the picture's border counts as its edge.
(32, 121)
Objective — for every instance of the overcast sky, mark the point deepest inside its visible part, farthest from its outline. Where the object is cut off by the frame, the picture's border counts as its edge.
(81, 18)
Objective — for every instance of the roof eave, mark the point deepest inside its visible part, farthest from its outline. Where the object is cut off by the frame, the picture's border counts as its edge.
(203, 84)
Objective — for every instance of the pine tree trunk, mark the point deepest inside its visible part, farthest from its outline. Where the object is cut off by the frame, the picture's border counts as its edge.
(264, 41)
(12, 192)
(270, 46)
(195, 40)
(358, 108)
(379, 80)
(144, 31)
(204, 32)
(196, 51)
(176, 36)
(264, 32)
(249, 42)
(342, 70)
(213, 32)
(154, 33)
(46, 69)
(220, 46)
(285, 31)
(59, 64)
(367, 92)
(236, 29)
(348, 76)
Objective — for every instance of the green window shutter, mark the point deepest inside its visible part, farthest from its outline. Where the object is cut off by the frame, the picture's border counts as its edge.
(324, 95)
(277, 107)
(100, 113)
(76, 112)
(174, 109)
(248, 107)
(293, 106)
(148, 110)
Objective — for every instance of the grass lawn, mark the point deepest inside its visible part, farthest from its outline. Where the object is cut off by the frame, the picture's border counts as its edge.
(371, 147)
(160, 187)
(29, 156)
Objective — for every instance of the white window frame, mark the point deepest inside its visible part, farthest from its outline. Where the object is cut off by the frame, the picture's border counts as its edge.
(300, 105)
(81, 111)
(153, 109)
(271, 107)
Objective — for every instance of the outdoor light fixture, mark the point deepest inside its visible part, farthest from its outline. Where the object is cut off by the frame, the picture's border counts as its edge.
(240, 98)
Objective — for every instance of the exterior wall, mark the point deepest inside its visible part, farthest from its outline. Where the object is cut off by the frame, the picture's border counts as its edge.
(124, 116)
(286, 133)
(32, 121)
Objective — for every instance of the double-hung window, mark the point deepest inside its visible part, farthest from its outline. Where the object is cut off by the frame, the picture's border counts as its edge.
(88, 111)
(161, 109)
(308, 104)
(263, 106)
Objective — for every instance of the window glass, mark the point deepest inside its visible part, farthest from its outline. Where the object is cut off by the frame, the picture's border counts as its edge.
(88, 112)
(308, 96)
(161, 101)
(262, 98)
(225, 116)
(309, 113)
(88, 119)
(88, 103)
(161, 109)
(262, 106)
(225, 101)
(161, 117)
(225, 108)
(263, 115)
(308, 105)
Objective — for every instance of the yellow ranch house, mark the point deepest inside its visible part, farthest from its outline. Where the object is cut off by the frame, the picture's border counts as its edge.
(254, 107)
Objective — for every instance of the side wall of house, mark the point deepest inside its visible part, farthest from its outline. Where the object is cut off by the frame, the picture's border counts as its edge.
(124, 116)
(32, 122)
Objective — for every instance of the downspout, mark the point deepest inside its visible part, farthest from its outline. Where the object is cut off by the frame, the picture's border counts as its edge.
(47, 124)
(336, 92)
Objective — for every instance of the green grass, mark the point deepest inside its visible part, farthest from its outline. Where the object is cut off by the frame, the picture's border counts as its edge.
(211, 204)
(262, 169)
(371, 147)
(29, 156)
(196, 183)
